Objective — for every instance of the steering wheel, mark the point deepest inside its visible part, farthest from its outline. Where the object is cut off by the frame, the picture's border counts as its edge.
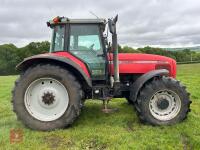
(92, 49)
(92, 46)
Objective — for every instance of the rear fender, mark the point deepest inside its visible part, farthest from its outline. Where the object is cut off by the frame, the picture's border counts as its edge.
(139, 83)
(64, 62)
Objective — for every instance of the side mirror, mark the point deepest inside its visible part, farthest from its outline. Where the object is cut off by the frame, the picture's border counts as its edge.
(105, 37)
(110, 25)
(110, 50)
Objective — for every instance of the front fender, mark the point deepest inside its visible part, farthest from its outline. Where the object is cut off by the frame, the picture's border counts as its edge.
(138, 84)
(48, 58)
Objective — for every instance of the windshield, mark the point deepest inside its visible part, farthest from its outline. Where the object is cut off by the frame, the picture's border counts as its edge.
(57, 42)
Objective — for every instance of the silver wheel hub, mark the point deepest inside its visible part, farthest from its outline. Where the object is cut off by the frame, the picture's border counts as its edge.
(46, 99)
(165, 105)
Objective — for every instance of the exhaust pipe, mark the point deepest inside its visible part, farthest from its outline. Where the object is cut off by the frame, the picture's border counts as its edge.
(115, 58)
(112, 28)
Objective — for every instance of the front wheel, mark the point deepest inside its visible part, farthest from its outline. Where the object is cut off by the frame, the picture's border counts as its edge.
(163, 101)
(47, 97)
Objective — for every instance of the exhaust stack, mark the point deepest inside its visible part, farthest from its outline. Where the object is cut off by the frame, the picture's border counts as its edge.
(112, 28)
(115, 58)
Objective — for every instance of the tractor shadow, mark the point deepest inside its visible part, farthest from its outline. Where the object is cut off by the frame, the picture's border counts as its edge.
(92, 114)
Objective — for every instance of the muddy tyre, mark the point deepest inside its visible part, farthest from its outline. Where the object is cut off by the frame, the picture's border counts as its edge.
(46, 97)
(163, 101)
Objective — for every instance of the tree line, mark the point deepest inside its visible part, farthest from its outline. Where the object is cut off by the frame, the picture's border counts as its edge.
(10, 55)
(185, 55)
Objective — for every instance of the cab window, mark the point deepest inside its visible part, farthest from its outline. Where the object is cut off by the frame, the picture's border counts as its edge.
(85, 37)
(57, 43)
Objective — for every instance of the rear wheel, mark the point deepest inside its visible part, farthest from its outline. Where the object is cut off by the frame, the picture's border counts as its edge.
(163, 101)
(47, 97)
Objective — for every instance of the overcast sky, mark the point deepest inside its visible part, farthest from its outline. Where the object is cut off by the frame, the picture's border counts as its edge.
(165, 23)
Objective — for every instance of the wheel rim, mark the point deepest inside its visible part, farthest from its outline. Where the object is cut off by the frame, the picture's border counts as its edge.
(165, 105)
(46, 99)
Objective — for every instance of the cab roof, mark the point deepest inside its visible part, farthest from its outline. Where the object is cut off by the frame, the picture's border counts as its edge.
(63, 20)
(87, 21)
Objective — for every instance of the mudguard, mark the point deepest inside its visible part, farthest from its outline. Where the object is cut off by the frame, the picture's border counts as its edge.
(48, 58)
(138, 84)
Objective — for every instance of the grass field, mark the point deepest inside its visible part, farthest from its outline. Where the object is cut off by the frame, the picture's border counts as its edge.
(95, 130)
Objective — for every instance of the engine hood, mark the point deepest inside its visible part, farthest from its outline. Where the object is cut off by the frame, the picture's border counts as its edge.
(142, 63)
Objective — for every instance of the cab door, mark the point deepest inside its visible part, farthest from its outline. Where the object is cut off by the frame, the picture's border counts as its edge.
(86, 44)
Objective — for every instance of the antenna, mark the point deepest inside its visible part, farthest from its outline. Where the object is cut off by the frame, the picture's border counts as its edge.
(93, 14)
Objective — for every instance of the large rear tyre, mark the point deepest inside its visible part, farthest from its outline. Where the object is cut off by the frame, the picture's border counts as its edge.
(163, 101)
(47, 97)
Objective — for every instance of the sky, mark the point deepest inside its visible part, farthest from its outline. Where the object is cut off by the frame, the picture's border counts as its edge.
(160, 23)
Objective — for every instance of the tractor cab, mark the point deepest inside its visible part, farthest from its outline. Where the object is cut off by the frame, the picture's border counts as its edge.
(84, 39)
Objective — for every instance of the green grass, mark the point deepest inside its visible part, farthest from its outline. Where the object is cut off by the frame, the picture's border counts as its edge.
(96, 130)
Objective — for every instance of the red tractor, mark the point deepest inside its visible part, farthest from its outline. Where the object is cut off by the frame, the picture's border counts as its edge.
(52, 87)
